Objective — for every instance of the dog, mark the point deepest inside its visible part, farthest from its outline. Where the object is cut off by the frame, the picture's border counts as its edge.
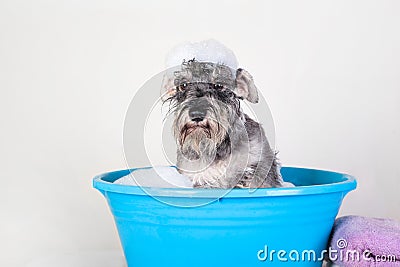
(218, 145)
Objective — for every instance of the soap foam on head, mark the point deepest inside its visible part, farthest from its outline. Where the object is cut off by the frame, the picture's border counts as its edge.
(203, 51)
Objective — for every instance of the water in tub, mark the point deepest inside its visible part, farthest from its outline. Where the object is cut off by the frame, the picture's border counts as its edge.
(161, 176)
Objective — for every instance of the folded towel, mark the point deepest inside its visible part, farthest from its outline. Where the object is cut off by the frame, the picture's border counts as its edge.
(361, 241)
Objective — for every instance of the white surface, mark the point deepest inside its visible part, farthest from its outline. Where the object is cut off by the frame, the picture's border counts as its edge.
(68, 70)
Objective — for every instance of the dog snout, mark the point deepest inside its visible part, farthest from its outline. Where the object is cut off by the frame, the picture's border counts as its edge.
(198, 109)
(197, 114)
(199, 92)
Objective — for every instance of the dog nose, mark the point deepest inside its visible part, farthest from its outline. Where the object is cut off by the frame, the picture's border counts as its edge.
(197, 115)
(199, 93)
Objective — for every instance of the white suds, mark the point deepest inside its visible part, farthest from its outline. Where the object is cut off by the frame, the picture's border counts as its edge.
(204, 51)
(159, 176)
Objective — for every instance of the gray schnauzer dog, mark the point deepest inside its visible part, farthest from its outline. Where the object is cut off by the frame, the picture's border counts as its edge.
(219, 146)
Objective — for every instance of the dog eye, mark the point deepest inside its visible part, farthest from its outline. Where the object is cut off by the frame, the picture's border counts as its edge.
(182, 86)
(218, 86)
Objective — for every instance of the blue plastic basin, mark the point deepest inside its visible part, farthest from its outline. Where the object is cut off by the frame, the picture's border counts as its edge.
(241, 228)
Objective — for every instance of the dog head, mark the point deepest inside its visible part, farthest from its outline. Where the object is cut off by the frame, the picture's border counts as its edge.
(205, 98)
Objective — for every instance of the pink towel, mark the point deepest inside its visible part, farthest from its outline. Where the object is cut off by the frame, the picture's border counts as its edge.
(361, 241)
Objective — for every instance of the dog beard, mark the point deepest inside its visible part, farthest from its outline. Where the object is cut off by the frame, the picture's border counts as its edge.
(199, 141)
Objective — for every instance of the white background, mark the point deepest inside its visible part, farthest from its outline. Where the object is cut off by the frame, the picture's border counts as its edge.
(330, 71)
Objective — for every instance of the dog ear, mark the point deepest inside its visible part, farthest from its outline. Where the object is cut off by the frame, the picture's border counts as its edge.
(245, 87)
